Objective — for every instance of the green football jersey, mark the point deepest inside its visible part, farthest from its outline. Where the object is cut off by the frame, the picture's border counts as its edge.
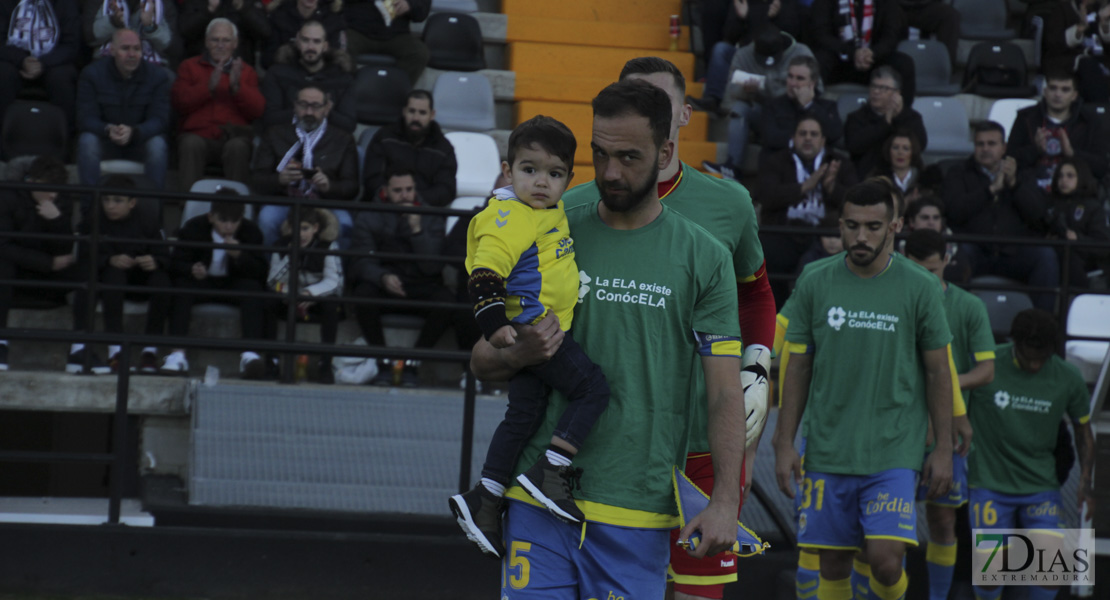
(724, 209)
(972, 338)
(643, 294)
(866, 410)
(1016, 419)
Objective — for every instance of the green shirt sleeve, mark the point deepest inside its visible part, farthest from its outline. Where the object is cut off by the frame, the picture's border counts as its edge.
(932, 321)
(716, 305)
(797, 313)
(980, 335)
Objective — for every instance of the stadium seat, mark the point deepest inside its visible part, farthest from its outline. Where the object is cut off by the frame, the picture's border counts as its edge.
(983, 20)
(997, 70)
(375, 60)
(479, 163)
(1002, 305)
(849, 103)
(464, 203)
(464, 102)
(194, 208)
(34, 129)
(946, 120)
(1088, 316)
(932, 66)
(364, 138)
(380, 94)
(462, 6)
(1005, 111)
(454, 41)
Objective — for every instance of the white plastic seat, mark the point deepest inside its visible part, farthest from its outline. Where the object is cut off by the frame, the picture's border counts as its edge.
(1004, 111)
(1088, 316)
(946, 120)
(479, 163)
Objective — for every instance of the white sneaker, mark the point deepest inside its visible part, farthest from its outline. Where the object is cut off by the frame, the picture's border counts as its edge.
(175, 363)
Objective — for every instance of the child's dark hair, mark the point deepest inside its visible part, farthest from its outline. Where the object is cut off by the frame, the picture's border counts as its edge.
(228, 211)
(312, 216)
(916, 206)
(548, 134)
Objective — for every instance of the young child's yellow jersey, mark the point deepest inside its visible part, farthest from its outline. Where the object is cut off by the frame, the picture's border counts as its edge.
(531, 249)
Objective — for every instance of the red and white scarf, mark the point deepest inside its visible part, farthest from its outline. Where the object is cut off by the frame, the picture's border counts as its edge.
(811, 209)
(149, 53)
(34, 27)
(855, 28)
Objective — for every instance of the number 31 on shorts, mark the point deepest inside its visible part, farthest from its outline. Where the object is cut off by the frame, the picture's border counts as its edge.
(808, 488)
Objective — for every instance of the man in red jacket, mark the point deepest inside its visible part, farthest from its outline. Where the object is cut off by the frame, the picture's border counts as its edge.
(217, 96)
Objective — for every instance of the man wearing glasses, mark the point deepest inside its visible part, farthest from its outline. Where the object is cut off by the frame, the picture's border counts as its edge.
(886, 112)
(307, 158)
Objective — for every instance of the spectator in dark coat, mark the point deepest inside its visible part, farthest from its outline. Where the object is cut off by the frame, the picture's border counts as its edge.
(415, 143)
(799, 186)
(848, 46)
(310, 60)
(934, 17)
(986, 196)
(41, 51)
(288, 16)
(368, 33)
(36, 211)
(197, 269)
(306, 159)
(401, 233)
(1077, 214)
(123, 111)
(886, 111)
(1056, 128)
(1069, 41)
(802, 97)
(247, 15)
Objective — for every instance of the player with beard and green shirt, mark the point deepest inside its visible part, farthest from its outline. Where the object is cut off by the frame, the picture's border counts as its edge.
(724, 208)
(1012, 466)
(862, 486)
(650, 279)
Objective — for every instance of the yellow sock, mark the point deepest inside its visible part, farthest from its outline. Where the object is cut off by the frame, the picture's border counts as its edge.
(941, 554)
(860, 578)
(892, 592)
(834, 589)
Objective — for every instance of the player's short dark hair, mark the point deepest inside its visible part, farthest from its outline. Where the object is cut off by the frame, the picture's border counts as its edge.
(870, 193)
(640, 98)
(923, 243)
(1036, 331)
(421, 95)
(398, 171)
(648, 65)
(548, 134)
(988, 126)
(923, 201)
(119, 180)
(895, 192)
(47, 169)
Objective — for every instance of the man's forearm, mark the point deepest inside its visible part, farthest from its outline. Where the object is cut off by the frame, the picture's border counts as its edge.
(938, 390)
(491, 364)
(725, 396)
(795, 394)
(981, 375)
(1085, 444)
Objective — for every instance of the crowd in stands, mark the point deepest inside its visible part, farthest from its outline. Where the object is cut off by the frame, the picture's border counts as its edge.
(771, 63)
(260, 93)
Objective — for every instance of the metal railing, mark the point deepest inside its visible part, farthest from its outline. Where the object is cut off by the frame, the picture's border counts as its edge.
(288, 347)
